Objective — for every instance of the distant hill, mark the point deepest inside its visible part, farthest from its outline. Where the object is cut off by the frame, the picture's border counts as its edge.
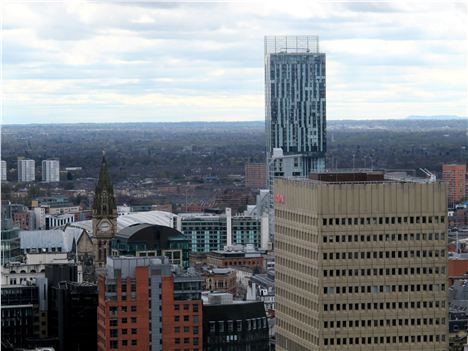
(437, 117)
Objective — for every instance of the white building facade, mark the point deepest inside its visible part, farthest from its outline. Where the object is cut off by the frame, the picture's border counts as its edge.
(50, 171)
(26, 170)
(3, 171)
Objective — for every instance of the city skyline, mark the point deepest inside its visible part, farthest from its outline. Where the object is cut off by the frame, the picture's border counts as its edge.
(191, 61)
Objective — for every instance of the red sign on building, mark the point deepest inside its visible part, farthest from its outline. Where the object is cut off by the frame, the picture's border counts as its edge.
(279, 199)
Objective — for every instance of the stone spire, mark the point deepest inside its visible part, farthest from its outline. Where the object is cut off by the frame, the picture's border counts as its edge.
(104, 201)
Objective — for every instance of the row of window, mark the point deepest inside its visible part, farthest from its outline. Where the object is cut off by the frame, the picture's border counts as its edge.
(379, 306)
(383, 254)
(114, 344)
(186, 318)
(376, 289)
(114, 322)
(361, 323)
(230, 325)
(384, 340)
(383, 220)
(113, 310)
(343, 221)
(114, 333)
(379, 272)
(382, 237)
(195, 341)
(186, 307)
(186, 329)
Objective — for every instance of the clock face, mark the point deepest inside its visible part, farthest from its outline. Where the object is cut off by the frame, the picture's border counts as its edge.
(104, 226)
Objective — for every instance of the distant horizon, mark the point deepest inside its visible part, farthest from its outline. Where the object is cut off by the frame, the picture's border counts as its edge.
(406, 118)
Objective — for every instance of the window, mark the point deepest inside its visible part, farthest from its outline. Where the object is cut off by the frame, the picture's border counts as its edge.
(134, 331)
(133, 308)
(134, 342)
(114, 344)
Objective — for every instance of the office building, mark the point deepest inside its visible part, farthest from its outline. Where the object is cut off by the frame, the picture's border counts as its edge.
(72, 315)
(24, 313)
(255, 175)
(455, 177)
(143, 305)
(295, 104)
(361, 263)
(234, 325)
(3, 170)
(51, 171)
(26, 170)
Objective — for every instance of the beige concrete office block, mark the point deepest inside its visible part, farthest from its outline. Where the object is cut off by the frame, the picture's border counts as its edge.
(361, 265)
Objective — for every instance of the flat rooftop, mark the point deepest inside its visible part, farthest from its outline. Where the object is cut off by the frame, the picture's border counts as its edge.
(365, 176)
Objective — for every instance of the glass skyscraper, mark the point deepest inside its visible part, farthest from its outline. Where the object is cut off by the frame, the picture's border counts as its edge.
(295, 105)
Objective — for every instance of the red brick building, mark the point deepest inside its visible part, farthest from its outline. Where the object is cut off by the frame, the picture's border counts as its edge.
(144, 306)
(234, 258)
(255, 175)
(455, 177)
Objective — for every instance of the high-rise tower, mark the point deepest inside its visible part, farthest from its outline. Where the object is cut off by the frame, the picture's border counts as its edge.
(295, 106)
(104, 216)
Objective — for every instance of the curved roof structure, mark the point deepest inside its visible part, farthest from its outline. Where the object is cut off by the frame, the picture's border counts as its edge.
(149, 217)
(153, 234)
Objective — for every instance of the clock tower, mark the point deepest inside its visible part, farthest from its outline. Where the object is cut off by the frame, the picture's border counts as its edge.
(104, 216)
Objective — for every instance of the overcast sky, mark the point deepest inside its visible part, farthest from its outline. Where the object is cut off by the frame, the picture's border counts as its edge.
(112, 61)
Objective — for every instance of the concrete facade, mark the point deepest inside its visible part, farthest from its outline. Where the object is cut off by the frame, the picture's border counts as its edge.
(361, 265)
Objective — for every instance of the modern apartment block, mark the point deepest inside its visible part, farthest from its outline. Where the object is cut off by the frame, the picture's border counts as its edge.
(3, 170)
(295, 104)
(144, 306)
(51, 171)
(361, 263)
(455, 177)
(26, 170)
(213, 232)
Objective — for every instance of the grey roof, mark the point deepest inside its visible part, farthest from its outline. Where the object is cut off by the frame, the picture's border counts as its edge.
(127, 232)
(46, 239)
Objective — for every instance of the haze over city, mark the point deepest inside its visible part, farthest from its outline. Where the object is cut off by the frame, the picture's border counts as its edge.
(115, 61)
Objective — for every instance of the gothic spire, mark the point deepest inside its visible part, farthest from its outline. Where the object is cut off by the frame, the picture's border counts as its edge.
(104, 202)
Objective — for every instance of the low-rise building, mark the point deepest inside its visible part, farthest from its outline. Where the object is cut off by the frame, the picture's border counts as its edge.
(220, 280)
(237, 255)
